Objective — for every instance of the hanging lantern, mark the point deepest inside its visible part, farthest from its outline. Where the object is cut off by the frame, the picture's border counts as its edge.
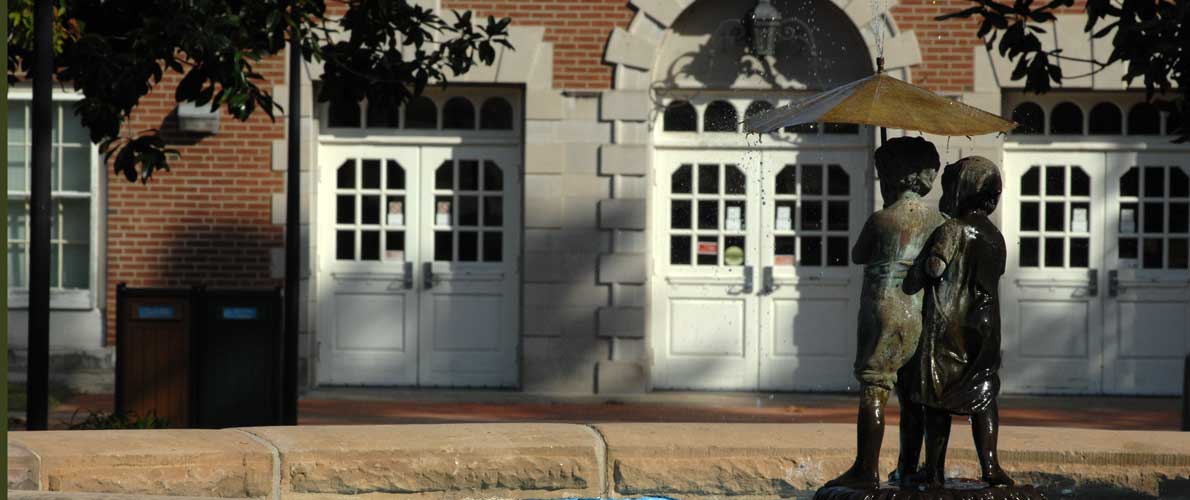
(766, 22)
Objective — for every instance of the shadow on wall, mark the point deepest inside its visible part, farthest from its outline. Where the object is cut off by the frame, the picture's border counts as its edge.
(698, 55)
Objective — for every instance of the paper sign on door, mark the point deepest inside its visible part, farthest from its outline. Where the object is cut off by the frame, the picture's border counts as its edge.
(1078, 220)
(708, 248)
(396, 213)
(784, 218)
(783, 260)
(442, 215)
(1127, 220)
(734, 220)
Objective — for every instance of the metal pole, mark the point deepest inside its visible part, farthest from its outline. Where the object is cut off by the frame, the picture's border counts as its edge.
(38, 375)
(293, 248)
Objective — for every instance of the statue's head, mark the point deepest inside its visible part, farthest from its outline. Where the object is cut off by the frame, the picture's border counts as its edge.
(906, 164)
(972, 184)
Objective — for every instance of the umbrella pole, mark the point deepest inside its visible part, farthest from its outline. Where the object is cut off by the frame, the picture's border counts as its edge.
(880, 69)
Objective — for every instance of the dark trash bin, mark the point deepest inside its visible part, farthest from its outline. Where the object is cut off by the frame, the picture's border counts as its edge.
(239, 358)
(154, 353)
(200, 358)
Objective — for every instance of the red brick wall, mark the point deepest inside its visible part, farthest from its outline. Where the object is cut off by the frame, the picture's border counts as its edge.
(948, 63)
(208, 220)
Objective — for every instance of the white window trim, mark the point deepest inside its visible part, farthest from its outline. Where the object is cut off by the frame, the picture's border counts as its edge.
(70, 299)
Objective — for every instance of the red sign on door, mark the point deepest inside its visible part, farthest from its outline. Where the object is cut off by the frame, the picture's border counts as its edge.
(708, 248)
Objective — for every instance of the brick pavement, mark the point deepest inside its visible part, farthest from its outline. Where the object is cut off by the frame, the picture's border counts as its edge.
(382, 406)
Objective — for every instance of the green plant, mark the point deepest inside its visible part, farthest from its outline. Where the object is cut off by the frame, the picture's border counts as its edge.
(114, 420)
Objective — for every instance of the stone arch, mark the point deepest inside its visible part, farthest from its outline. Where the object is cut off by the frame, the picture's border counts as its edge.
(634, 51)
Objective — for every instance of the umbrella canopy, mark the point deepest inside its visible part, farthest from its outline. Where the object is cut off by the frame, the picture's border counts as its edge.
(883, 101)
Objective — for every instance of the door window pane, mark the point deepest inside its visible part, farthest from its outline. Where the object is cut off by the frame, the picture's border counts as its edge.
(837, 215)
(396, 176)
(787, 180)
(371, 174)
(734, 253)
(469, 175)
(345, 209)
(708, 215)
(1179, 183)
(468, 246)
(679, 250)
(1080, 182)
(811, 250)
(1055, 181)
(1031, 182)
(369, 243)
(681, 180)
(1030, 250)
(679, 214)
(76, 169)
(1155, 181)
(708, 250)
(370, 209)
(1129, 184)
(346, 175)
(493, 247)
(1080, 252)
(394, 245)
(1177, 253)
(1055, 214)
(811, 216)
(1152, 253)
(812, 179)
(493, 211)
(1030, 216)
(345, 245)
(839, 182)
(708, 179)
(836, 251)
(444, 176)
(493, 177)
(468, 211)
(735, 182)
(1154, 217)
(443, 246)
(785, 250)
(1179, 217)
(1054, 250)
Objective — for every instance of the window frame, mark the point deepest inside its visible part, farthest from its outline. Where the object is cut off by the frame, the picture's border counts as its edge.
(68, 298)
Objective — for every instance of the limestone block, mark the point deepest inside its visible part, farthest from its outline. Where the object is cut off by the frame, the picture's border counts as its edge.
(215, 463)
(580, 212)
(630, 50)
(621, 377)
(622, 214)
(541, 104)
(628, 105)
(631, 242)
(544, 158)
(626, 322)
(624, 159)
(561, 365)
(559, 321)
(74, 495)
(543, 211)
(465, 459)
(582, 158)
(542, 75)
(629, 295)
(784, 460)
(569, 294)
(22, 469)
(622, 268)
(901, 51)
(280, 205)
(663, 11)
(515, 65)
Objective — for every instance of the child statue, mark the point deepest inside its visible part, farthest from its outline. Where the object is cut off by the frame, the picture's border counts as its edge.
(955, 368)
(889, 318)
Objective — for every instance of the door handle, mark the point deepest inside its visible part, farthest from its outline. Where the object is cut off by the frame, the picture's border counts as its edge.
(1113, 283)
(408, 275)
(748, 279)
(1093, 286)
(427, 275)
(768, 284)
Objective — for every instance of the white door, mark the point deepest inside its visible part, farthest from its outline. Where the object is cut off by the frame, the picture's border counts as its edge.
(814, 206)
(469, 265)
(368, 305)
(1096, 296)
(704, 316)
(752, 287)
(418, 278)
(1052, 310)
(1147, 327)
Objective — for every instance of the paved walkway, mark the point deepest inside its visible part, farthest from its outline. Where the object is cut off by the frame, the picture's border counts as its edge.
(351, 406)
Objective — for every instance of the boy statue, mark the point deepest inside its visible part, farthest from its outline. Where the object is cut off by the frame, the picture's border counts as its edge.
(889, 318)
(955, 370)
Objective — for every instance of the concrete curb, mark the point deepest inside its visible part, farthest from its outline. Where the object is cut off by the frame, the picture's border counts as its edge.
(539, 460)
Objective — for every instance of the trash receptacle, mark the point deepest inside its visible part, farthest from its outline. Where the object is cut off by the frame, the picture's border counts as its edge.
(239, 358)
(154, 353)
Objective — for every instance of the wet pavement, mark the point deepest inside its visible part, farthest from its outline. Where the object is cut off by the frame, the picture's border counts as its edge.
(366, 406)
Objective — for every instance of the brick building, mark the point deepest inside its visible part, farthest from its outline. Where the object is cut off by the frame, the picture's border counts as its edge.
(585, 216)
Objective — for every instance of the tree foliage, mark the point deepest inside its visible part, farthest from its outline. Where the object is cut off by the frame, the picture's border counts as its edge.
(1150, 37)
(116, 51)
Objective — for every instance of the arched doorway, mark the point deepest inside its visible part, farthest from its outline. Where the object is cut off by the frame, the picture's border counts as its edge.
(750, 282)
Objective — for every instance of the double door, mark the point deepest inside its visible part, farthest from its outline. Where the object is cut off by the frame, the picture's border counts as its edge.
(752, 286)
(1096, 292)
(418, 265)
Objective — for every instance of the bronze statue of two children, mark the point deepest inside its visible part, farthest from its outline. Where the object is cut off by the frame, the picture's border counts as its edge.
(929, 319)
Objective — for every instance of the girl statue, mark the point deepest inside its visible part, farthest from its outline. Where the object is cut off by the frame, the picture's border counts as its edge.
(955, 368)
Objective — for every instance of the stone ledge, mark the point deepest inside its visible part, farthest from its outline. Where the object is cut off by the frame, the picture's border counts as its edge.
(514, 460)
(458, 461)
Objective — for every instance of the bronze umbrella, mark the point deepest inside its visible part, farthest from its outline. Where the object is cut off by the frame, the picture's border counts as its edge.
(883, 101)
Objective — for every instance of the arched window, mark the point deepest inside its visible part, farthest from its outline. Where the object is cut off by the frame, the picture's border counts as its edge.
(421, 113)
(756, 108)
(343, 113)
(383, 115)
(720, 116)
(1106, 119)
(1030, 119)
(495, 114)
(458, 114)
(1067, 119)
(1143, 119)
(680, 116)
